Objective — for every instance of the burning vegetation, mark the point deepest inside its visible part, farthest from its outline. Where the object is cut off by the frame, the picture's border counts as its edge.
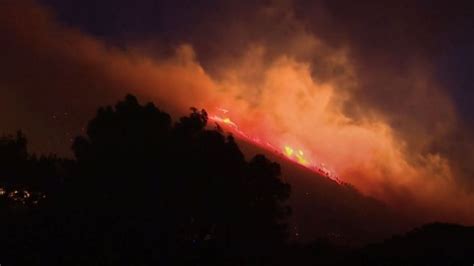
(296, 155)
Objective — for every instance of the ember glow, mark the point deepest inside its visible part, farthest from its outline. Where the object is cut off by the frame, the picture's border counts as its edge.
(295, 155)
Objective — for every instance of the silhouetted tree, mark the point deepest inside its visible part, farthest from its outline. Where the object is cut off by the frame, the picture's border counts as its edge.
(25, 178)
(155, 191)
(27, 182)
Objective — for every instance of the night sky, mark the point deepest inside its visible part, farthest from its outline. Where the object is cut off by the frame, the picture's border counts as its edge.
(381, 91)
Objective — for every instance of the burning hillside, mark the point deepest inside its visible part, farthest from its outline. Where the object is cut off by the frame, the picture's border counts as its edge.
(222, 119)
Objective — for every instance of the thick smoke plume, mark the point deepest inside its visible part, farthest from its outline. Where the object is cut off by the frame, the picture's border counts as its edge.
(374, 123)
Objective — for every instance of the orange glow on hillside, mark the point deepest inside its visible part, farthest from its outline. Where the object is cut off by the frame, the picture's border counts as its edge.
(295, 155)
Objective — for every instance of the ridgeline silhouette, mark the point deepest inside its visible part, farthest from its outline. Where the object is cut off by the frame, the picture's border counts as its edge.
(143, 190)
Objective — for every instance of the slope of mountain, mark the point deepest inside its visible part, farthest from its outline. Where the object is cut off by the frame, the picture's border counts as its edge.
(325, 209)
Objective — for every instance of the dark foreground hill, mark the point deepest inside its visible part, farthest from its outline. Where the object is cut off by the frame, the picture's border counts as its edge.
(325, 209)
(431, 245)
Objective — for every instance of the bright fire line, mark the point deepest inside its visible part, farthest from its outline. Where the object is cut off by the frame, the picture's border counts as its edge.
(295, 155)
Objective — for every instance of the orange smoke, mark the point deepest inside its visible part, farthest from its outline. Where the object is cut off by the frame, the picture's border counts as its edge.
(292, 107)
(277, 100)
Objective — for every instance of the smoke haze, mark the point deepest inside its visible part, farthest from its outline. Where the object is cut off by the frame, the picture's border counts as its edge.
(361, 95)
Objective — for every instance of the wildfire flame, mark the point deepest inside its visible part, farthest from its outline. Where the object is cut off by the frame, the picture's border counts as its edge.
(295, 155)
(225, 120)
